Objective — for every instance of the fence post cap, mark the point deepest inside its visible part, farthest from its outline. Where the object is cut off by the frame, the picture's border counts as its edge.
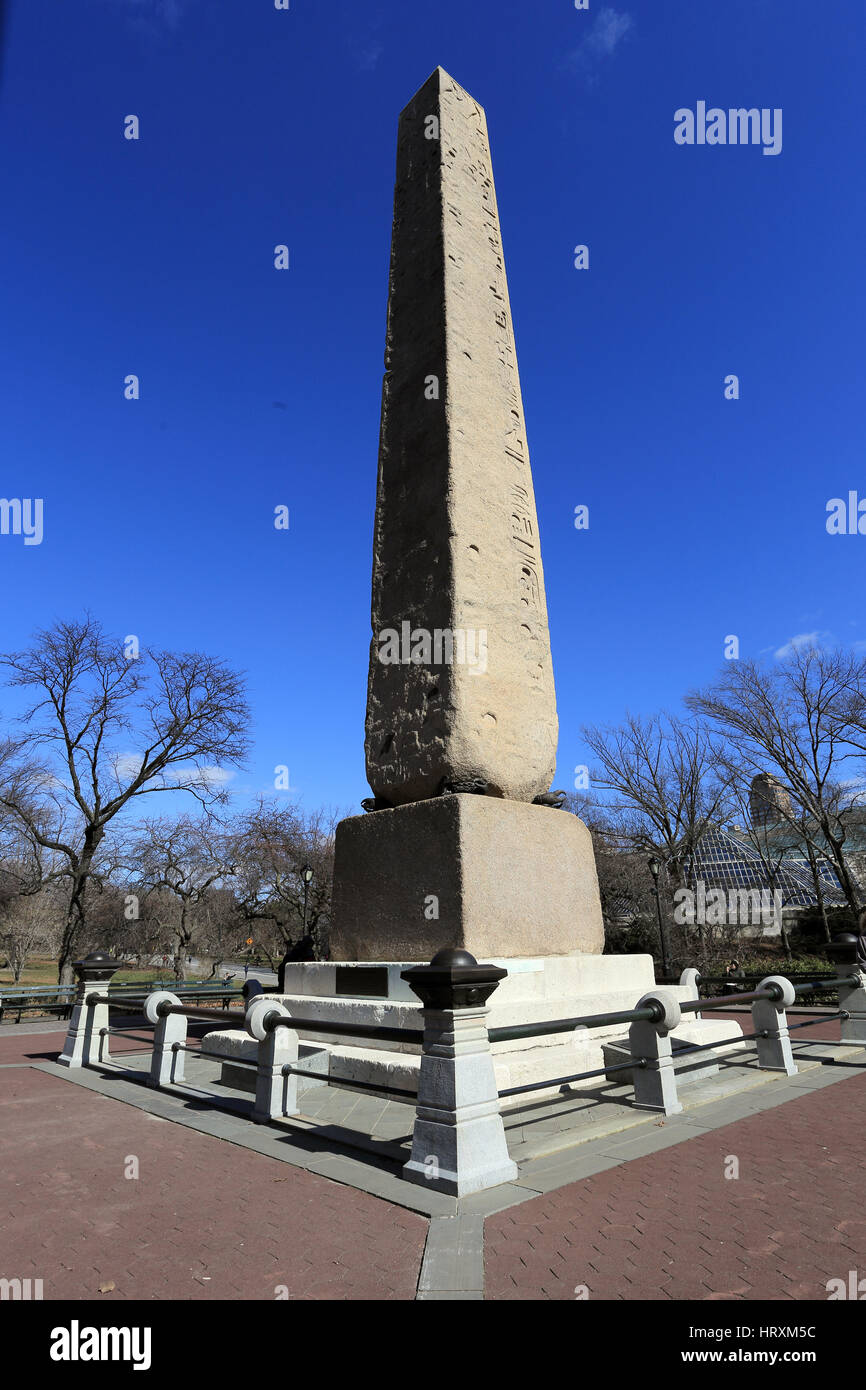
(668, 1003)
(256, 1016)
(154, 1002)
(97, 968)
(453, 980)
(842, 950)
(788, 996)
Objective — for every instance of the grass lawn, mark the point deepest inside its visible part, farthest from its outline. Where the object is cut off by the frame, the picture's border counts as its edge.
(41, 970)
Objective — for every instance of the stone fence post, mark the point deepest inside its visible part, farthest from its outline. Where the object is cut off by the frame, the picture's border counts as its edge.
(458, 1140)
(276, 1090)
(843, 955)
(655, 1084)
(85, 1042)
(167, 1062)
(853, 998)
(768, 1015)
(690, 979)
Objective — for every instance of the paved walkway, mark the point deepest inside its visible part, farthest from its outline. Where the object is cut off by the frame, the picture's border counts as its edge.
(202, 1218)
(221, 1208)
(678, 1225)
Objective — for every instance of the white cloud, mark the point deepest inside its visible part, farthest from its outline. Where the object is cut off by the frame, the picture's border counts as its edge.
(213, 776)
(608, 29)
(369, 56)
(126, 765)
(802, 639)
(151, 16)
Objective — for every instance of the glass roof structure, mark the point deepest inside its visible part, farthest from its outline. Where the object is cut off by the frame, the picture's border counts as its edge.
(728, 859)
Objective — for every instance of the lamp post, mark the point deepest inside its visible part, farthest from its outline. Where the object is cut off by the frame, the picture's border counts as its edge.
(655, 867)
(307, 878)
(300, 951)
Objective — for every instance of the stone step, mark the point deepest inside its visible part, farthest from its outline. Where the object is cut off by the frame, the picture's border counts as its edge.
(550, 1057)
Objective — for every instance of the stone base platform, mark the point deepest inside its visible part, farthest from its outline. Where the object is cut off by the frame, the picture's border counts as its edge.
(495, 877)
(533, 991)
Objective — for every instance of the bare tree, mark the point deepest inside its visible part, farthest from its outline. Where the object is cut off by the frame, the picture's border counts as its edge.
(108, 729)
(666, 783)
(28, 871)
(272, 844)
(624, 881)
(799, 720)
(179, 860)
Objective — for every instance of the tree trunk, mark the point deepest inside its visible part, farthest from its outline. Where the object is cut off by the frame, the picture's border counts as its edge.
(819, 892)
(72, 929)
(182, 949)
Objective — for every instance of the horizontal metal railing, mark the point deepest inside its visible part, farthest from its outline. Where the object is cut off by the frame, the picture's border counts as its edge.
(826, 984)
(376, 1032)
(811, 1022)
(131, 1003)
(577, 1076)
(44, 999)
(651, 1014)
(725, 1001)
(652, 1011)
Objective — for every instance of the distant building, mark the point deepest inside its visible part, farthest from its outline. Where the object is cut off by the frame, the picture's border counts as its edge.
(768, 800)
(771, 855)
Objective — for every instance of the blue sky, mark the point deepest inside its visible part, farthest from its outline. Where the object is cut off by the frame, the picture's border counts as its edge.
(261, 388)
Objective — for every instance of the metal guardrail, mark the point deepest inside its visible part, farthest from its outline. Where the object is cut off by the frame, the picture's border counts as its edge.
(23, 999)
(745, 979)
(453, 1040)
(652, 1012)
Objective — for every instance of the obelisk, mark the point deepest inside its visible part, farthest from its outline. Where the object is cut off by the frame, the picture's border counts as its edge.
(461, 725)
(456, 543)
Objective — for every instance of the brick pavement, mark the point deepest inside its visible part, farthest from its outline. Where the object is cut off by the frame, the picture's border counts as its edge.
(672, 1226)
(207, 1219)
(204, 1220)
(17, 1046)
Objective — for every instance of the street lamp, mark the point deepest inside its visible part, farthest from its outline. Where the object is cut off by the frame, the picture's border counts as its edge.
(307, 877)
(301, 950)
(655, 868)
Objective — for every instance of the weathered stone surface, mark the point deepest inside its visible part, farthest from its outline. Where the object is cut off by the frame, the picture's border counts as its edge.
(506, 879)
(456, 545)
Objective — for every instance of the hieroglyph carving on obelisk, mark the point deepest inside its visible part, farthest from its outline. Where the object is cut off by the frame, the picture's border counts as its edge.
(460, 687)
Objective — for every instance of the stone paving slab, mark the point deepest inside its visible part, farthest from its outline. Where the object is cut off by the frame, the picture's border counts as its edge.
(453, 1264)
